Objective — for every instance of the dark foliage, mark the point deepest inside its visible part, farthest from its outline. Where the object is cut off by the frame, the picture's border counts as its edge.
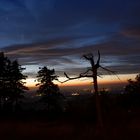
(132, 92)
(133, 86)
(49, 91)
(11, 85)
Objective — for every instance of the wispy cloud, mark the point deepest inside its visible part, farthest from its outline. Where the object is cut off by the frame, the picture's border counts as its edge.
(117, 54)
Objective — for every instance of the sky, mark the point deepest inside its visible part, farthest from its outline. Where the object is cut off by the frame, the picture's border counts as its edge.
(56, 33)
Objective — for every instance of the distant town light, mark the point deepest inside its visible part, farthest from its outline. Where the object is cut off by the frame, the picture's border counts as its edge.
(75, 94)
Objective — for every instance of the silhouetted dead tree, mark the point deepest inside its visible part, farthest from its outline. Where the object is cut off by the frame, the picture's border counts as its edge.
(92, 72)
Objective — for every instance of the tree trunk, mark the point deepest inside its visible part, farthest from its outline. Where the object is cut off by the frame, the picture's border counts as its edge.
(97, 100)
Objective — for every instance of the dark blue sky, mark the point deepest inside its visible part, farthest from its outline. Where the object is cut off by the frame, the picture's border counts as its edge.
(56, 33)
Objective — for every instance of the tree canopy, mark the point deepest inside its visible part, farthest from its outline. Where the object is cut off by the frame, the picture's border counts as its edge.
(11, 84)
(45, 78)
(132, 92)
(49, 91)
(133, 85)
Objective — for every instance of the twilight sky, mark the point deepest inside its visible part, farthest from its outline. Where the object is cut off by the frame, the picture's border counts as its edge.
(56, 33)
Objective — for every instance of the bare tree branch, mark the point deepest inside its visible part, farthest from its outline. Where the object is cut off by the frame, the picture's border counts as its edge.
(89, 57)
(110, 71)
(73, 78)
(66, 75)
(107, 70)
(98, 61)
(88, 70)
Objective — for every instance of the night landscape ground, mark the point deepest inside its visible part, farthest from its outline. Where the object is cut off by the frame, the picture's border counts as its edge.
(79, 122)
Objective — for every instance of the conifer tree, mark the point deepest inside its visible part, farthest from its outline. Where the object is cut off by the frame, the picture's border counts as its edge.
(11, 85)
(49, 91)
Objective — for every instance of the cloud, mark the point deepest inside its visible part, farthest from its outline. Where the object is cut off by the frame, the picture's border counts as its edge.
(58, 33)
(133, 31)
(117, 53)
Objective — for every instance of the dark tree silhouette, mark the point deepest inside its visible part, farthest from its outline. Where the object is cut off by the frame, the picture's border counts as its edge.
(11, 85)
(49, 91)
(132, 92)
(92, 73)
(133, 86)
(16, 84)
(3, 77)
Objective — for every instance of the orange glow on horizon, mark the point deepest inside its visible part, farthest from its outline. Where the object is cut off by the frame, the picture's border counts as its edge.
(106, 79)
(30, 82)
